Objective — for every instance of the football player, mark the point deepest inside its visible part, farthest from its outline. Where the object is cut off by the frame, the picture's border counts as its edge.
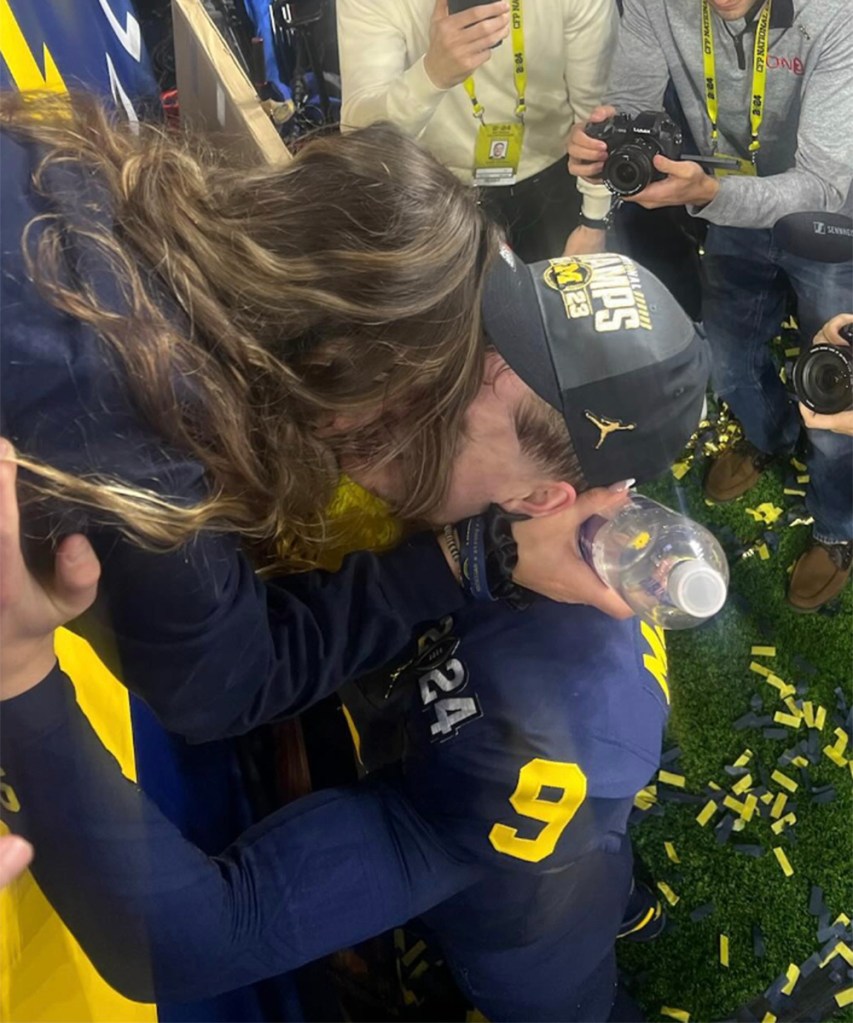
(527, 730)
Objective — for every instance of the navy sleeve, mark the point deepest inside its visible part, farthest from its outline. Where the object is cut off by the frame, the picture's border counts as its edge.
(214, 651)
(159, 919)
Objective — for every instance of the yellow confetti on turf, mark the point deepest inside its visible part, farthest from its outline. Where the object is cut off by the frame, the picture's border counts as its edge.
(767, 513)
(793, 975)
(779, 804)
(724, 949)
(784, 781)
(668, 778)
(763, 551)
(833, 952)
(785, 689)
(808, 713)
(787, 719)
(784, 862)
(784, 822)
(820, 718)
(842, 918)
(842, 740)
(791, 704)
(767, 797)
(707, 812)
(680, 469)
(844, 997)
(763, 651)
(668, 893)
(742, 784)
(798, 465)
(749, 807)
(671, 853)
(760, 669)
(713, 785)
(791, 353)
(845, 951)
(804, 479)
(800, 762)
(679, 1014)
(835, 756)
(794, 492)
(744, 758)
(734, 805)
(646, 798)
(768, 1017)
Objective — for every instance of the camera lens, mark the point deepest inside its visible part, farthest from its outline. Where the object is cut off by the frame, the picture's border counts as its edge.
(628, 170)
(823, 379)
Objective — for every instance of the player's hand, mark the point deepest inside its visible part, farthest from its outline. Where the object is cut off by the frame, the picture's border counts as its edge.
(841, 422)
(549, 560)
(15, 856)
(30, 611)
(586, 155)
(585, 240)
(686, 183)
(460, 43)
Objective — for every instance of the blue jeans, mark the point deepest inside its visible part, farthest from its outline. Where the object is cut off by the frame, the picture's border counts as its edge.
(746, 283)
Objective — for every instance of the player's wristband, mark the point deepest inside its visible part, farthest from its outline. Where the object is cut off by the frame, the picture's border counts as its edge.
(488, 555)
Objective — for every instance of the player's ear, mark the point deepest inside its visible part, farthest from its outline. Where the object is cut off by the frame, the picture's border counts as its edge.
(544, 499)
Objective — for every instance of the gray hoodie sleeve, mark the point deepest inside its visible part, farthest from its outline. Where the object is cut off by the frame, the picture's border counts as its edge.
(639, 72)
(823, 170)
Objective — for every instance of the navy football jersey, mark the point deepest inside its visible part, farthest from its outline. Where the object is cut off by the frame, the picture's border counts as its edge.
(525, 737)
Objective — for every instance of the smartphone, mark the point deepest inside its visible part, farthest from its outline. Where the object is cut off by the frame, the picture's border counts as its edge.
(456, 6)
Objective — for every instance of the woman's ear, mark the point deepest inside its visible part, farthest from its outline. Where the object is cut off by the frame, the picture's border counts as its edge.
(546, 499)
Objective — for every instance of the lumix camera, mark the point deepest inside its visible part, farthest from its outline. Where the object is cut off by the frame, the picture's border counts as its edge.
(632, 143)
(823, 376)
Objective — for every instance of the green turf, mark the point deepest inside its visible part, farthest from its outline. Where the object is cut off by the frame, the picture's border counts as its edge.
(711, 685)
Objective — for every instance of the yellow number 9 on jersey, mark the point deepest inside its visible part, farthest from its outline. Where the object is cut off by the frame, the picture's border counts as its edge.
(555, 814)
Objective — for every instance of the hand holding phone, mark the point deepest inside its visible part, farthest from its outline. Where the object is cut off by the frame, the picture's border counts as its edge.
(461, 38)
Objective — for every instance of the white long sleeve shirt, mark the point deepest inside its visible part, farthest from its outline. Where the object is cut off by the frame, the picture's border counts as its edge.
(568, 46)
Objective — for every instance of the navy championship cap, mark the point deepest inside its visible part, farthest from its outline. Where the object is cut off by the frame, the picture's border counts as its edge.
(602, 340)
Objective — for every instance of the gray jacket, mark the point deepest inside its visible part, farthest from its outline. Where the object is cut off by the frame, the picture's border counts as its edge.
(806, 157)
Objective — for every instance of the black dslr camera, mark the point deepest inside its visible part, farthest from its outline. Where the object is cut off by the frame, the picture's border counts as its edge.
(632, 143)
(823, 376)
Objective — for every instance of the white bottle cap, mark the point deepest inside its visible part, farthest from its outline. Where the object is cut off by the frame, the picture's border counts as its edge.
(697, 588)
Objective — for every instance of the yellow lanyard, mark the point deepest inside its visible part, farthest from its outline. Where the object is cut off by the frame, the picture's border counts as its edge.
(759, 75)
(519, 65)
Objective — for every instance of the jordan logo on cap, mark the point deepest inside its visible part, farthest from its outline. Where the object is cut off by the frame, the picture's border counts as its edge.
(607, 426)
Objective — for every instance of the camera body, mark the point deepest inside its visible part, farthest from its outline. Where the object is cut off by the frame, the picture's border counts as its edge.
(823, 376)
(632, 144)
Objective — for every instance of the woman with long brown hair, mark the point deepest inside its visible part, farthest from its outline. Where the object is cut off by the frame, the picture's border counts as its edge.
(190, 355)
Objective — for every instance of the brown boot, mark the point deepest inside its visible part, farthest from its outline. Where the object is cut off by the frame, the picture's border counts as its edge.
(821, 573)
(735, 471)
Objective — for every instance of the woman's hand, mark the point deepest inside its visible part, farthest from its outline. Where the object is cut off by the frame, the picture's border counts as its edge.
(841, 422)
(549, 560)
(31, 610)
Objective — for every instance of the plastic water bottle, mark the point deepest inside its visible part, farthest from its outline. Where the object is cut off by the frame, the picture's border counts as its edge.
(668, 568)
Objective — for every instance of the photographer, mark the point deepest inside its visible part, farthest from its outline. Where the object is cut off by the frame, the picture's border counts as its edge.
(491, 91)
(767, 84)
